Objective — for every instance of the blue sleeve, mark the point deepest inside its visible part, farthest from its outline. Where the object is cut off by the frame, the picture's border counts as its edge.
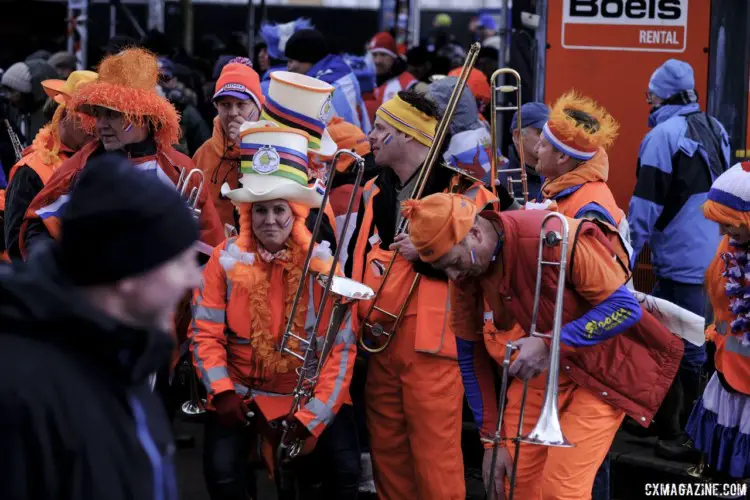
(595, 210)
(614, 315)
(479, 384)
(651, 187)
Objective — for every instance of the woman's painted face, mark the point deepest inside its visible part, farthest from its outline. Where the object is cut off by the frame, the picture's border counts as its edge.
(741, 234)
(272, 223)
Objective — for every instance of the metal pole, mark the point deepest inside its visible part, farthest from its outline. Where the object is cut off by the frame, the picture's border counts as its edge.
(250, 29)
(414, 23)
(541, 51)
(112, 18)
(187, 25)
(155, 15)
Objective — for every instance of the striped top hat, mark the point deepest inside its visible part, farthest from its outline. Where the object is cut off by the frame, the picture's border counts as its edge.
(273, 164)
(301, 102)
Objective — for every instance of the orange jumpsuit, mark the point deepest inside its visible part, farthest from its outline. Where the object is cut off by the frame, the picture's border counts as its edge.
(413, 393)
(225, 327)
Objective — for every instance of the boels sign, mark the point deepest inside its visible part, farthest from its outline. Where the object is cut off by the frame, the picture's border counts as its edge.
(636, 25)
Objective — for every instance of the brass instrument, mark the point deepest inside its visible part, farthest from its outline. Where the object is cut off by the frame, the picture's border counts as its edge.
(547, 431)
(192, 198)
(376, 330)
(494, 167)
(343, 292)
(14, 140)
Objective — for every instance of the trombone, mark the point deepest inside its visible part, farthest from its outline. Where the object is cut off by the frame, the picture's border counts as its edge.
(377, 332)
(343, 291)
(494, 167)
(182, 186)
(547, 431)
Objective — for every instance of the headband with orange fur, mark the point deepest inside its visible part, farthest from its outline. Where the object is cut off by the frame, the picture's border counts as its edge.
(578, 140)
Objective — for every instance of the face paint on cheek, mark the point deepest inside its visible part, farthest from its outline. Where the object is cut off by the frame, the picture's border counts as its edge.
(473, 256)
(388, 139)
(129, 127)
(286, 224)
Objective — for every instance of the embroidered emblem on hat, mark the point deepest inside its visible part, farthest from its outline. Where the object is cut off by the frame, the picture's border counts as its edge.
(266, 160)
(325, 109)
(235, 86)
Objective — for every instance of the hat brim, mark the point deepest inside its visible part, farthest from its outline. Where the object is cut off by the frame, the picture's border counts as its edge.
(257, 187)
(54, 88)
(328, 147)
(135, 103)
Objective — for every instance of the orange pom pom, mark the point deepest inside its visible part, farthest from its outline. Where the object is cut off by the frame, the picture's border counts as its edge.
(409, 208)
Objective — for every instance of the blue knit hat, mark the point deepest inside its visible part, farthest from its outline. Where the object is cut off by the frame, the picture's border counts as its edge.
(672, 77)
(533, 114)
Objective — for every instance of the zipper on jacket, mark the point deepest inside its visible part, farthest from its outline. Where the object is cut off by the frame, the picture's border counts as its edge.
(161, 482)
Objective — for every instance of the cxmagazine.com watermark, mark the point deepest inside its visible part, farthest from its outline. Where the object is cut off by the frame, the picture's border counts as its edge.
(728, 490)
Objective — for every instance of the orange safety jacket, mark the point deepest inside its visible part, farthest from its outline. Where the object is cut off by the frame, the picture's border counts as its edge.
(222, 331)
(431, 304)
(732, 358)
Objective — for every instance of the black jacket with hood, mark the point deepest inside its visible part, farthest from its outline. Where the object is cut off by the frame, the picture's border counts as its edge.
(77, 417)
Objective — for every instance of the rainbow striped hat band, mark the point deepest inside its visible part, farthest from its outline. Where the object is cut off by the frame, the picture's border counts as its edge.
(274, 165)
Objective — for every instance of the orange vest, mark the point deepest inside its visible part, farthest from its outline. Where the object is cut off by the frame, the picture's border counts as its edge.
(732, 359)
(430, 304)
(33, 161)
(590, 192)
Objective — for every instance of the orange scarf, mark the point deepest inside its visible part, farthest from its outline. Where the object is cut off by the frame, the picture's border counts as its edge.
(594, 170)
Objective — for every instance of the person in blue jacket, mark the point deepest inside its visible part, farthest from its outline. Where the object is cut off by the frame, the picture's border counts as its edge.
(679, 159)
(307, 53)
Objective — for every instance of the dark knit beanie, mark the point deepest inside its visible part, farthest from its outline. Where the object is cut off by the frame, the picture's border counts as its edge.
(121, 222)
(308, 46)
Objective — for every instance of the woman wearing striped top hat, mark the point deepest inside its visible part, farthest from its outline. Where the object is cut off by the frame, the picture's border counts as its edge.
(720, 422)
(242, 307)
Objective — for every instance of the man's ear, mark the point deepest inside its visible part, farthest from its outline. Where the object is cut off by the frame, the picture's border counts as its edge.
(476, 233)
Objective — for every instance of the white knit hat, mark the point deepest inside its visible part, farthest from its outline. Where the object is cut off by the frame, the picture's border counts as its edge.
(18, 78)
(732, 188)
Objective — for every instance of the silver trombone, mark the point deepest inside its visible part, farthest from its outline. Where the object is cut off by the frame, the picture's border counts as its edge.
(192, 198)
(494, 167)
(344, 291)
(547, 431)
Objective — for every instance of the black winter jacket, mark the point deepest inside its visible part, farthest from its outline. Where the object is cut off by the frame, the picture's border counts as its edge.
(77, 418)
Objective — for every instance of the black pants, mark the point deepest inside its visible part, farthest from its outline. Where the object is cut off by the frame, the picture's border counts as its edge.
(331, 471)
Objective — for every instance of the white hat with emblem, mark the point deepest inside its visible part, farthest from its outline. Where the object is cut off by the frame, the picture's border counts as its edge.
(301, 102)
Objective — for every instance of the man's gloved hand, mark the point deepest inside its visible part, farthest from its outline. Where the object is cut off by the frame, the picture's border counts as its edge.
(230, 409)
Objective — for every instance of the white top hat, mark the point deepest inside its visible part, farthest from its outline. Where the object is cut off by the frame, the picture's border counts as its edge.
(273, 164)
(302, 102)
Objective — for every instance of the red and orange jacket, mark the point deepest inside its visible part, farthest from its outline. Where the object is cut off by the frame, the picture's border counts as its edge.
(224, 327)
(166, 165)
(430, 303)
(219, 159)
(388, 91)
(631, 370)
(732, 358)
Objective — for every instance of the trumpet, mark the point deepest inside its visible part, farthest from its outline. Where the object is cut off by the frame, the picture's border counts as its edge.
(377, 331)
(506, 89)
(343, 292)
(547, 431)
(192, 198)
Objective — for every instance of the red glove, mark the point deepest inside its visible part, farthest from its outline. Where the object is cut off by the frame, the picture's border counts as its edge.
(230, 409)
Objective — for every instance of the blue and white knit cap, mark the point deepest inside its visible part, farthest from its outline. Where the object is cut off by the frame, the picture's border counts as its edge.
(276, 35)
